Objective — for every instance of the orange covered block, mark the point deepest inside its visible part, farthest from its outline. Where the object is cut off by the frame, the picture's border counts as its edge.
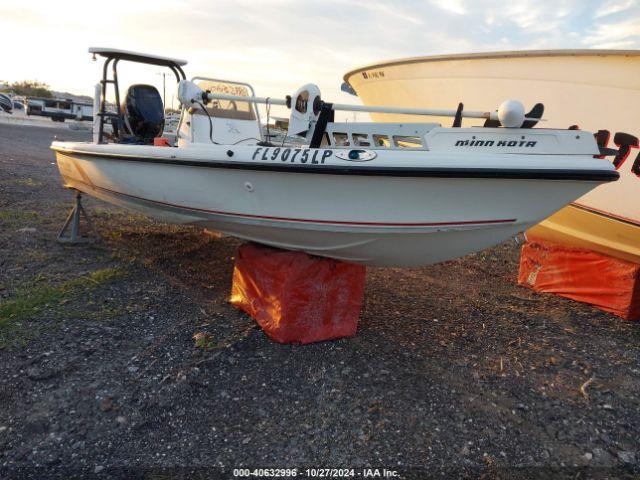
(296, 297)
(608, 283)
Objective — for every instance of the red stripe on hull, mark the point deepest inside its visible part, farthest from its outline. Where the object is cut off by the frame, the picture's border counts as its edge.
(607, 214)
(305, 220)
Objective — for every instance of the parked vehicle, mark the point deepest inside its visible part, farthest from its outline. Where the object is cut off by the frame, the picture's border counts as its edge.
(6, 104)
(59, 109)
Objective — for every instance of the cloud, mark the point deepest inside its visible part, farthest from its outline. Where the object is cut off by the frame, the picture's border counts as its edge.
(452, 6)
(621, 34)
(280, 44)
(383, 9)
(613, 6)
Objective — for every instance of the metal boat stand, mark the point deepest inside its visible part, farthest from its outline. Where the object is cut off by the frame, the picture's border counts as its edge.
(70, 232)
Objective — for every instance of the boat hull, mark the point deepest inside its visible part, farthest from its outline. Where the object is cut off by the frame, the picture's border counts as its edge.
(583, 228)
(595, 89)
(371, 220)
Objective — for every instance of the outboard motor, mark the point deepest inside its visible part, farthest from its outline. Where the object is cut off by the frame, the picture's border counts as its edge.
(143, 113)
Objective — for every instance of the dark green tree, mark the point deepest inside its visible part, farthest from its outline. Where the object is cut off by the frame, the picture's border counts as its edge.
(30, 88)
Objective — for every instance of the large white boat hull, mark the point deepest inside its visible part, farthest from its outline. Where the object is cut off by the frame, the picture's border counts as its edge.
(596, 89)
(372, 220)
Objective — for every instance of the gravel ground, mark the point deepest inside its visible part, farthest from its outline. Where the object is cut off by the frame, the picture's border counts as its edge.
(455, 371)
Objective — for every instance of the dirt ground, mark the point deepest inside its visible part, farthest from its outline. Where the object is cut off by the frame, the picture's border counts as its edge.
(455, 371)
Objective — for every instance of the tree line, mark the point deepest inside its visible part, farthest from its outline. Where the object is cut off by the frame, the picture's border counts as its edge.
(29, 88)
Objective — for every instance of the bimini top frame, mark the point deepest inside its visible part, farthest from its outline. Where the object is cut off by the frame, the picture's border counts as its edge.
(113, 56)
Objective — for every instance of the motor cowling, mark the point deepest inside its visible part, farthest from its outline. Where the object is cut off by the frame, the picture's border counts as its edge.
(143, 113)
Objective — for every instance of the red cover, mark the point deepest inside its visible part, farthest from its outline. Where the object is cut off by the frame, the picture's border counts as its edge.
(296, 297)
(161, 142)
(608, 283)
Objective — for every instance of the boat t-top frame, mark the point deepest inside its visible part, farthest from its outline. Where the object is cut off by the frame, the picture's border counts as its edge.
(113, 56)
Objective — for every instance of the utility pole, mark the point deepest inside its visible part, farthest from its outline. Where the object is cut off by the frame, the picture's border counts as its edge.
(164, 89)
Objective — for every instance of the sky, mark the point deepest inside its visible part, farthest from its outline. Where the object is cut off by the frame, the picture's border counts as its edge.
(279, 45)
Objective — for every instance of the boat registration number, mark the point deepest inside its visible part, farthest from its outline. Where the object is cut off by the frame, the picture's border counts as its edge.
(313, 156)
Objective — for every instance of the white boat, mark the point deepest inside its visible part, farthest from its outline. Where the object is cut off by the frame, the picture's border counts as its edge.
(595, 89)
(387, 194)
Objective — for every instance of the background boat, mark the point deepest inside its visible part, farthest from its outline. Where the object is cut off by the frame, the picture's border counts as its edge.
(595, 89)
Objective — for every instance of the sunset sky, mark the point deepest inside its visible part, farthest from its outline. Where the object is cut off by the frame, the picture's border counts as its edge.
(278, 45)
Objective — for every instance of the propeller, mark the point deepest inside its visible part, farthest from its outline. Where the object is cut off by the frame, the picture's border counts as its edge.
(535, 112)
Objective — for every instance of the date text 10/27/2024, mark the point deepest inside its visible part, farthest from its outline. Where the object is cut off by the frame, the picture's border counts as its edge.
(315, 473)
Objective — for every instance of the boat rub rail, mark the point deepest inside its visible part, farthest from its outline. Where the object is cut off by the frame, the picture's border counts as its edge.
(365, 170)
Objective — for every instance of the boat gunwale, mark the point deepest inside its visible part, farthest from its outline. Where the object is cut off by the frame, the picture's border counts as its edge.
(583, 52)
(564, 174)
